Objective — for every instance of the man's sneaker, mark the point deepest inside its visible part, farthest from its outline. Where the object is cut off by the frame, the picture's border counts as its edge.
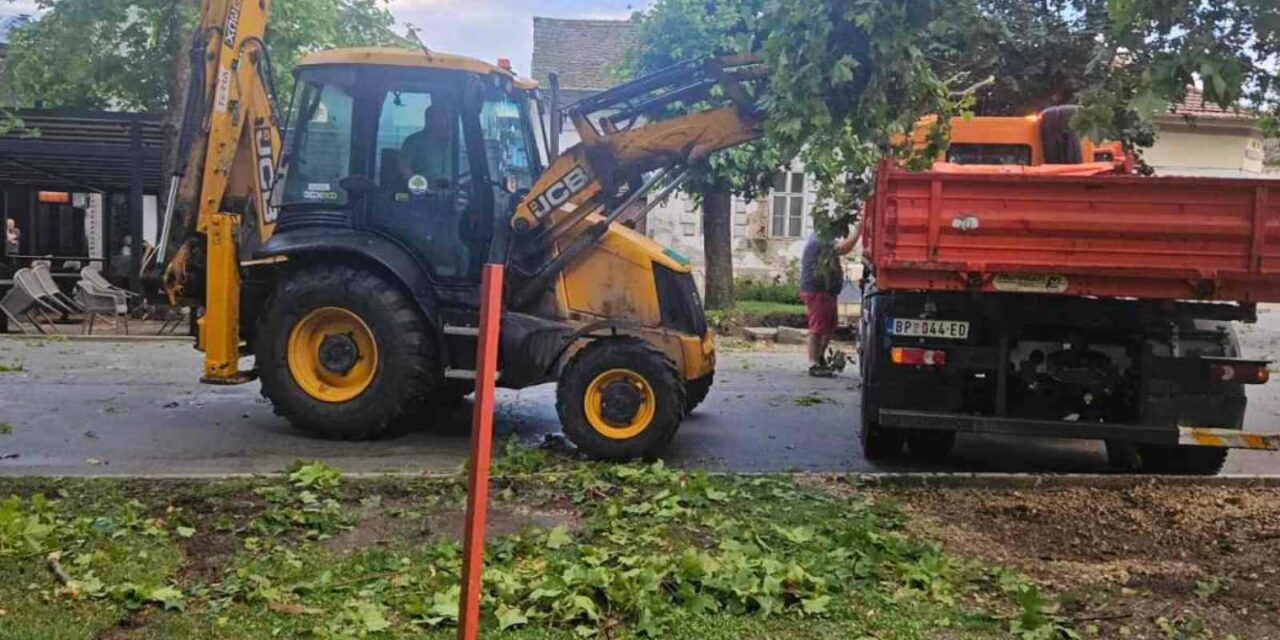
(821, 371)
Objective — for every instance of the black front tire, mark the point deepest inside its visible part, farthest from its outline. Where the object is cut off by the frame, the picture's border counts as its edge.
(697, 390)
(633, 355)
(407, 363)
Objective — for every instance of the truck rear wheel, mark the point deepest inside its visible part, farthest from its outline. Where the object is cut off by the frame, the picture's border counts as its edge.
(620, 399)
(1180, 460)
(342, 353)
(932, 446)
(1165, 459)
(878, 443)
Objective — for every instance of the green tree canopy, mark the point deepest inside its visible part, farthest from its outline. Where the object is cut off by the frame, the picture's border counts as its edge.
(851, 77)
(120, 53)
(678, 30)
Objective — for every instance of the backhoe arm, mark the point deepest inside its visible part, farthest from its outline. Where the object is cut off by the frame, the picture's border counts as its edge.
(233, 154)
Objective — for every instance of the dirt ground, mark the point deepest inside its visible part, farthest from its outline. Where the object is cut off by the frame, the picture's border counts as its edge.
(1167, 563)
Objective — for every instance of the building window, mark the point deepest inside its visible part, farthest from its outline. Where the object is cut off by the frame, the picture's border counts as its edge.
(788, 205)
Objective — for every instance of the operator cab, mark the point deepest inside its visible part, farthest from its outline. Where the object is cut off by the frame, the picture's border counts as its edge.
(425, 150)
(1045, 138)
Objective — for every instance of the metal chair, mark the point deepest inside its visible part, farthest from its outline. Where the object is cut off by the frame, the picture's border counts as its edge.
(95, 276)
(175, 321)
(27, 279)
(45, 277)
(20, 302)
(97, 301)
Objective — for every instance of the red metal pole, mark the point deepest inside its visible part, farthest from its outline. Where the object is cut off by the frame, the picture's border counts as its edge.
(481, 451)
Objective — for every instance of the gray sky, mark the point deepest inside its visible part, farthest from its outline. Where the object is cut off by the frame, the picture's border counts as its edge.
(485, 29)
(492, 29)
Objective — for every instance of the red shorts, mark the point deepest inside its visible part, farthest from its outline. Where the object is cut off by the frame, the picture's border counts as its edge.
(822, 313)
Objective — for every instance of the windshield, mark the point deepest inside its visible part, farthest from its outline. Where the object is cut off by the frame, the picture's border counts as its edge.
(318, 152)
(509, 143)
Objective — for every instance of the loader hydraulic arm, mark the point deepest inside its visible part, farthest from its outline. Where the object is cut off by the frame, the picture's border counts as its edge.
(627, 150)
(229, 150)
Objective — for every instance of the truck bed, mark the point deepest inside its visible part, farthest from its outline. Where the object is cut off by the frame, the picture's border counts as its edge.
(1125, 236)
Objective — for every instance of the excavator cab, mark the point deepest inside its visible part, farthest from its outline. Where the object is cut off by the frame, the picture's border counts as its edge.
(424, 156)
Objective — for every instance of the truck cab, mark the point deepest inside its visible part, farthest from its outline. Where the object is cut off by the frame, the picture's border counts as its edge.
(1034, 140)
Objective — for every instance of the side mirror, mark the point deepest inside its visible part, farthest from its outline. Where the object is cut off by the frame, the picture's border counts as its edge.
(357, 185)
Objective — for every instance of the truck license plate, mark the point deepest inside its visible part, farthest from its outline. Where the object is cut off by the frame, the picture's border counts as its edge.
(915, 328)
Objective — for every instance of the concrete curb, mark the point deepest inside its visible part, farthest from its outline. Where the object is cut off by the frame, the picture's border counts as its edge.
(79, 338)
(1054, 481)
(995, 481)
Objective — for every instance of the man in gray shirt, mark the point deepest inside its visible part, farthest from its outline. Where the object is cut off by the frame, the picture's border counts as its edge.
(821, 279)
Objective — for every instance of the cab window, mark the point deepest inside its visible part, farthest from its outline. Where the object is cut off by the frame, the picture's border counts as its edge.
(1005, 154)
(508, 144)
(424, 185)
(319, 156)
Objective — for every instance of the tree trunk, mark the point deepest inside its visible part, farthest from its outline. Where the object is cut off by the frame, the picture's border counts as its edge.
(717, 242)
(180, 27)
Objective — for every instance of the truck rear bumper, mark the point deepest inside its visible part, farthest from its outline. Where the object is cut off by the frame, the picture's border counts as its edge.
(1139, 433)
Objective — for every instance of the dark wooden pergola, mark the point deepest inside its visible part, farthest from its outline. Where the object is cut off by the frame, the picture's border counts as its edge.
(86, 151)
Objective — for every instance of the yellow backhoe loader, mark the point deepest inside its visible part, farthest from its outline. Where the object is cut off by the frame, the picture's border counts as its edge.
(345, 255)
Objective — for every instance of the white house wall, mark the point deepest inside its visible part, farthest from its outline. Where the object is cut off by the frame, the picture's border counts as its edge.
(1207, 148)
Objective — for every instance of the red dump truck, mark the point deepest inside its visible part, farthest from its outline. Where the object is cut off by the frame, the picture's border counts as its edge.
(1043, 301)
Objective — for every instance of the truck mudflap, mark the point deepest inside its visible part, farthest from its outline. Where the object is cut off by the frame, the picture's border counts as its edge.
(1137, 433)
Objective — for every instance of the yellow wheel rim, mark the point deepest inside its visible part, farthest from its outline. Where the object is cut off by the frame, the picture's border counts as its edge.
(332, 355)
(603, 389)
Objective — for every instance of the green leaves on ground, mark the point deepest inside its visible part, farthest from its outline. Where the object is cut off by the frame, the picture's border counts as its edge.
(25, 525)
(315, 476)
(634, 550)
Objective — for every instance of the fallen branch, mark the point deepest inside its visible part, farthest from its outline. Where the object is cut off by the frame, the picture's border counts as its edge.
(54, 561)
(1103, 618)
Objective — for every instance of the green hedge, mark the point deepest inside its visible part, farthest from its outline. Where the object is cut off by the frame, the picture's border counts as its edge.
(780, 291)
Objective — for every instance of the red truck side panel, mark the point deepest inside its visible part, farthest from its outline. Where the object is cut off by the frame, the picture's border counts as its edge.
(1120, 236)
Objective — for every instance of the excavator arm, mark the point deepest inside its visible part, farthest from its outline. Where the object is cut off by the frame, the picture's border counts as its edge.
(229, 149)
(629, 149)
(624, 135)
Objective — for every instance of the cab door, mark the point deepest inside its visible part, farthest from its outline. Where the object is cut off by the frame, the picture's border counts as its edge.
(427, 187)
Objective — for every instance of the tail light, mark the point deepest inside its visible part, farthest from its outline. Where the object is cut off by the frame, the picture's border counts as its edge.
(908, 357)
(1240, 373)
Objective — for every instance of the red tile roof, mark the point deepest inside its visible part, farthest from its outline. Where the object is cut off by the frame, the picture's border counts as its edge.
(1196, 106)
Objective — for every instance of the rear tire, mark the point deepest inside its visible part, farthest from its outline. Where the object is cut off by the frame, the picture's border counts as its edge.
(1166, 460)
(1060, 142)
(1180, 460)
(878, 443)
(397, 342)
(653, 399)
(932, 446)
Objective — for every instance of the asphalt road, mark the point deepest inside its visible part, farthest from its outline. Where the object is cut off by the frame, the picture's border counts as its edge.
(98, 408)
